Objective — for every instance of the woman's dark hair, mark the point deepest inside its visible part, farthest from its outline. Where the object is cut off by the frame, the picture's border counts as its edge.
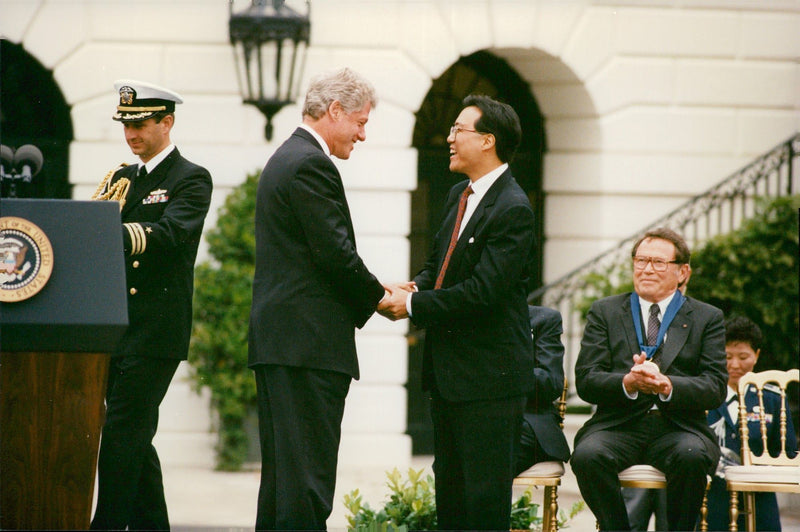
(742, 329)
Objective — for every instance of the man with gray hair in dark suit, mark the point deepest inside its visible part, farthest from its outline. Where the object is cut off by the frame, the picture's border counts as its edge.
(311, 290)
(653, 361)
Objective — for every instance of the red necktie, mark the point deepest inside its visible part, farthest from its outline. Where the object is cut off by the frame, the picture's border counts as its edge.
(462, 206)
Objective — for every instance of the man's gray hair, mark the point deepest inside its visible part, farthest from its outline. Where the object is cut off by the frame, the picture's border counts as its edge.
(351, 90)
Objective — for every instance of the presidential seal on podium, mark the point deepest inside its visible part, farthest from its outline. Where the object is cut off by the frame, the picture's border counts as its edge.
(26, 259)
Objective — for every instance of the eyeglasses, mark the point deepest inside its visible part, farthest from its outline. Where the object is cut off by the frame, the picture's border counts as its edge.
(659, 265)
(455, 130)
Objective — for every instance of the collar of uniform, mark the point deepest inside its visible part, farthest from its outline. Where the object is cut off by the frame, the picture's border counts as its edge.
(316, 135)
(731, 395)
(155, 161)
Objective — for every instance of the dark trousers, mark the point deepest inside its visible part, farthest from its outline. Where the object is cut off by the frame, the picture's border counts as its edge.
(529, 451)
(642, 503)
(473, 465)
(130, 488)
(299, 418)
(684, 457)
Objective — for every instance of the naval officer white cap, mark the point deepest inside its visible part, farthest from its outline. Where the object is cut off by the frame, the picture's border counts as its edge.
(140, 100)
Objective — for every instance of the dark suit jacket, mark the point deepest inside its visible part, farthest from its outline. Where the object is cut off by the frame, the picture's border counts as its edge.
(693, 356)
(478, 341)
(163, 221)
(311, 289)
(540, 413)
(767, 516)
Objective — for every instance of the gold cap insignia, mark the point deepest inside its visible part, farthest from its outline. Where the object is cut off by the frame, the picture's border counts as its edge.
(126, 95)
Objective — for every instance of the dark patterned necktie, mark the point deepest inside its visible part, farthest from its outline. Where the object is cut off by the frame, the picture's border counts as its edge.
(653, 324)
(462, 206)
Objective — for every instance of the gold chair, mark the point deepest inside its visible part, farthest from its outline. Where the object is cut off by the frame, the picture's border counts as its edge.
(647, 476)
(547, 474)
(762, 472)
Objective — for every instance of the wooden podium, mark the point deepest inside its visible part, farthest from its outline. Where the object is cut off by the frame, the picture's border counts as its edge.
(54, 351)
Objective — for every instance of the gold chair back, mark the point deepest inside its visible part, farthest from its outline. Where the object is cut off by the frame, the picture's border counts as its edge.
(762, 472)
(780, 381)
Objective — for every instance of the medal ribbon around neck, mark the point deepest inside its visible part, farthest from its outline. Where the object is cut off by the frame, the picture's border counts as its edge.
(669, 315)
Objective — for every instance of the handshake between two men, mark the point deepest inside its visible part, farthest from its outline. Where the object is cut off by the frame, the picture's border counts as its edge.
(394, 302)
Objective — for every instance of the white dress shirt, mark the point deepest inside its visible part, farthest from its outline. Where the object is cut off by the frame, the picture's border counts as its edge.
(479, 188)
(319, 139)
(156, 160)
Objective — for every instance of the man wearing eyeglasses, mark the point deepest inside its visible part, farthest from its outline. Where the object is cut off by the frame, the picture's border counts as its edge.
(478, 361)
(653, 361)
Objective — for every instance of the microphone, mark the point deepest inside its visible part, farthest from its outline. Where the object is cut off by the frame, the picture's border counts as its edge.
(28, 161)
(6, 160)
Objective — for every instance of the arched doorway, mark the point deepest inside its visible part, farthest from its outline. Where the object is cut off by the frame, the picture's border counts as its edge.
(481, 73)
(33, 111)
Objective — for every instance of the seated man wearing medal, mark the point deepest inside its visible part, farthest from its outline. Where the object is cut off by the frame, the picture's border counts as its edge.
(652, 361)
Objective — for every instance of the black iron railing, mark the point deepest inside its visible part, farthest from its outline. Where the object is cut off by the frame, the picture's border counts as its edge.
(719, 210)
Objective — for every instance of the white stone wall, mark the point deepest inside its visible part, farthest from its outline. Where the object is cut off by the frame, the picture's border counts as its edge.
(646, 103)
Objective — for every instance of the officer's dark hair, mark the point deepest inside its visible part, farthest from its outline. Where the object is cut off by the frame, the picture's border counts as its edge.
(500, 120)
(744, 330)
(159, 116)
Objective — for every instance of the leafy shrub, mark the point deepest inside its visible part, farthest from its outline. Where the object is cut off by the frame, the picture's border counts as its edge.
(222, 298)
(753, 272)
(412, 506)
(525, 513)
(412, 503)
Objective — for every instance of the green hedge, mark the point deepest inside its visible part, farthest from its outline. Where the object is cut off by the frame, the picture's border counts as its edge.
(222, 297)
(753, 272)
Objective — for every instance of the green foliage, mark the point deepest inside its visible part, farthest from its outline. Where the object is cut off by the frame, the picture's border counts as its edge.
(525, 513)
(379, 527)
(752, 271)
(222, 297)
(412, 506)
(614, 279)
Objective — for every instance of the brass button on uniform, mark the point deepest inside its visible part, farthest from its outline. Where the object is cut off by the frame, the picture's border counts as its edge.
(136, 264)
(133, 291)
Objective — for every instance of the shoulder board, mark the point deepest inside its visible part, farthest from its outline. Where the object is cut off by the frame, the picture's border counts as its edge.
(116, 170)
(772, 388)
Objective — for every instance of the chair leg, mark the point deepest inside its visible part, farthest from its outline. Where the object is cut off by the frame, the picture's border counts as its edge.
(704, 510)
(734, 511)
(547, 510)
(553, 508)
(750, 510)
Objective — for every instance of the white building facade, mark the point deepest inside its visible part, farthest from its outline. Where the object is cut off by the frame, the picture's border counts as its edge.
(644, 105)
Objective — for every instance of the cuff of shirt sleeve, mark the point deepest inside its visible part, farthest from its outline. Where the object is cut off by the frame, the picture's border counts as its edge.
(632, 396)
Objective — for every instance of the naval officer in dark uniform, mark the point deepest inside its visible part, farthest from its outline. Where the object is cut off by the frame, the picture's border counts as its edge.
(162, 221)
